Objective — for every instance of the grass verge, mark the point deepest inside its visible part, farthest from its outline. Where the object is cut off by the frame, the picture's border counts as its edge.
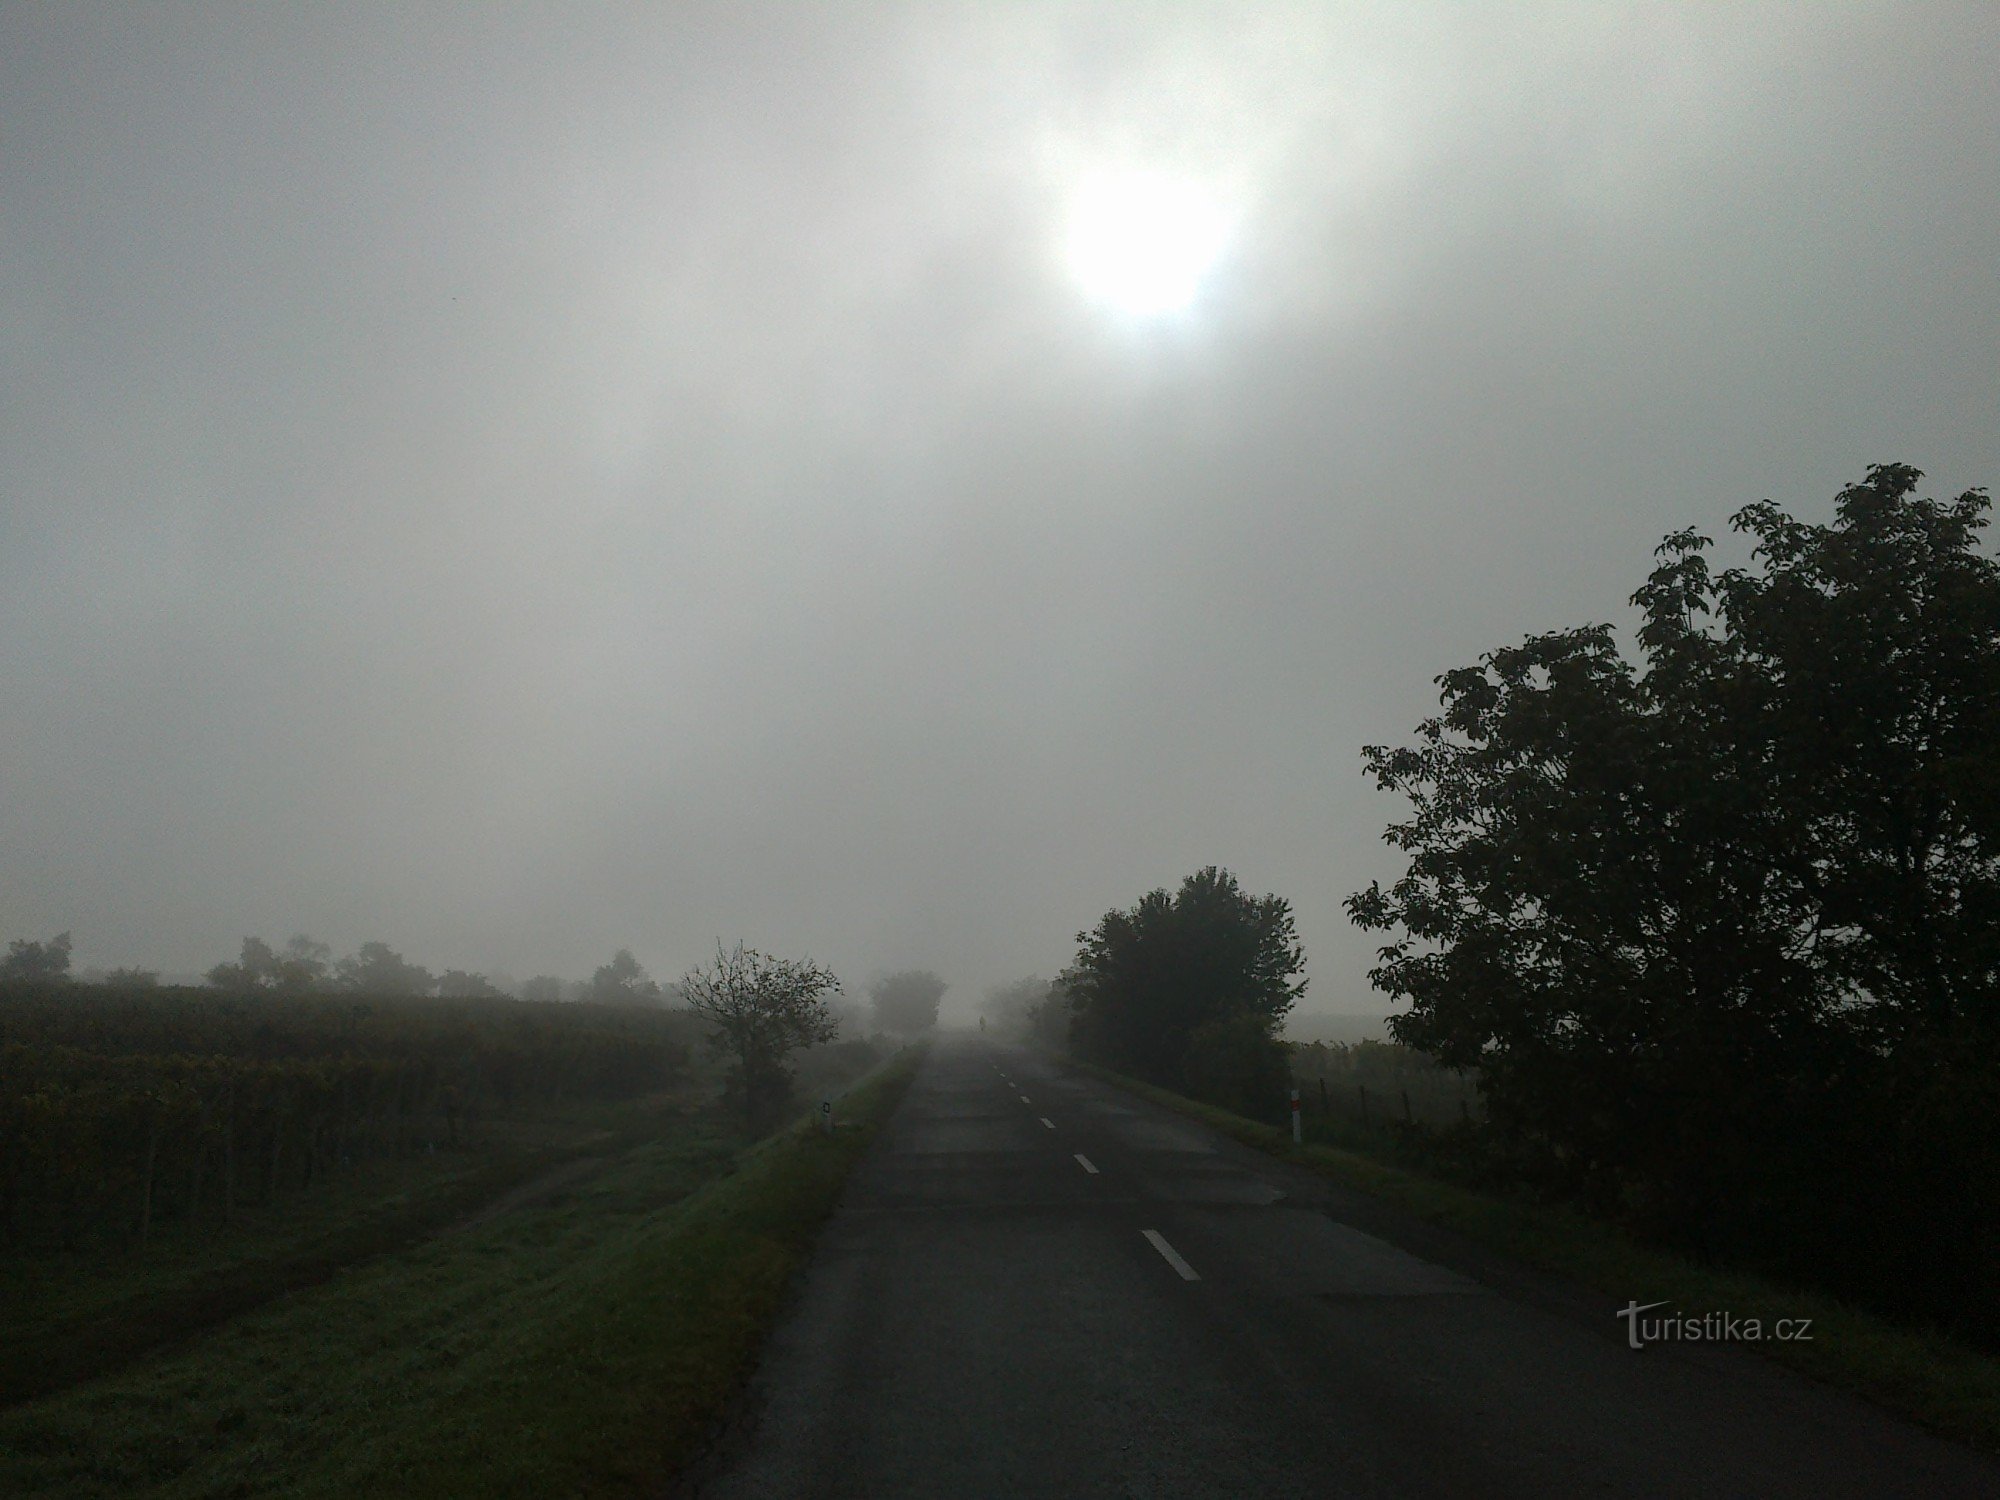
(580, 1346)
(1935, 1380)
(68, 1317)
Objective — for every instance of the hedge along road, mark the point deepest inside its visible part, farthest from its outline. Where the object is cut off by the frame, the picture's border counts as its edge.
(1039, 1284)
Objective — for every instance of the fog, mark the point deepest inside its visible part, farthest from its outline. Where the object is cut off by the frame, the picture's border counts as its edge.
(520, 482)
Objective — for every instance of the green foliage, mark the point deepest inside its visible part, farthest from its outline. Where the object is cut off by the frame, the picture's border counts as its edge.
(906, 1003)
(1189, 990)
(623, 979)
(762, 1009)
(118, 1109)
(378, 969)
(581, 1347)
(1719, 930)
(301, 966)
(36, 962)
(1232, 1060)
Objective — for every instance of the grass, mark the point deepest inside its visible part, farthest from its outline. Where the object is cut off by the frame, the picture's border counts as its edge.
(67, 1316)
(1937, 1381)
(581, 1346)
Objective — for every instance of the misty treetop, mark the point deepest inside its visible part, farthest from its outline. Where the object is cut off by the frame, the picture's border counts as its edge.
(624, 978)
(762, 1009)
(37, 962)
(1720, 928)
(906, 1003)
(1190, 990)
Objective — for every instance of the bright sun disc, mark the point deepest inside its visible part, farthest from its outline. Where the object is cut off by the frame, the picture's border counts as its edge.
(1144, 243)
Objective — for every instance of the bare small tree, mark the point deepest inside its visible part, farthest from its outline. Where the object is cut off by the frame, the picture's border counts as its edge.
(763, 1009)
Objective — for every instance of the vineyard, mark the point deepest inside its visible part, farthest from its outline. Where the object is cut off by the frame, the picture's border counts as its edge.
(1381, 1082)
(121, 1111)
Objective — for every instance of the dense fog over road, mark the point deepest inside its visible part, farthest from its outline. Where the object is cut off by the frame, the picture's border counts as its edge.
(891, 482)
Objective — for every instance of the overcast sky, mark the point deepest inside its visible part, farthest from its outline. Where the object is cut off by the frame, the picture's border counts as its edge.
(892, 482)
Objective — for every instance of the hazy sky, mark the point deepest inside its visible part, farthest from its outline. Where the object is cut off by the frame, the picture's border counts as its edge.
(519, 482)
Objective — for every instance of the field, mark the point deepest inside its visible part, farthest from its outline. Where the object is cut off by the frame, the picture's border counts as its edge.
(579, 1345)
(188, 1172)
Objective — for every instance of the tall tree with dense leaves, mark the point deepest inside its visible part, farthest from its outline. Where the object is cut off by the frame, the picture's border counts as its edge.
(1716, 930)
(1205, 969)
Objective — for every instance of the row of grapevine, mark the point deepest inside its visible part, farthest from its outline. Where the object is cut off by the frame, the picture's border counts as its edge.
(104, 1133)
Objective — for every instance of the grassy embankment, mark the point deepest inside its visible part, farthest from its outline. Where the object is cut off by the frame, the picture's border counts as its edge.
(69, 1317)
(1938, 1381)
(577, 1346)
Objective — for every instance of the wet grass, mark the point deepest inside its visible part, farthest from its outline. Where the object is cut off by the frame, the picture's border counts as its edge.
(68, 1315)
(580, 1345)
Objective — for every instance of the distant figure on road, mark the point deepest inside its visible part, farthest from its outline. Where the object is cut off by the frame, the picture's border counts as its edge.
(982, 1023)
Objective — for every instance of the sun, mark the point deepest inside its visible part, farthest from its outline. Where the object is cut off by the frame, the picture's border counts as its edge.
(1144, 242)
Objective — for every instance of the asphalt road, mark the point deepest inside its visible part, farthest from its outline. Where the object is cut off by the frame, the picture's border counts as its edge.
(1039, 1285)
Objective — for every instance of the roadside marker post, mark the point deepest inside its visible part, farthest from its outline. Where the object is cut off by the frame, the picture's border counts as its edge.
(826, 1116)
(1298, 1135)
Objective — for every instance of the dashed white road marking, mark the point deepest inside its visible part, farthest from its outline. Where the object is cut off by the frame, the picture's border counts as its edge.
(1084, 1162)
(1173, 1256)
(1026, 1100)
(1048, 1122)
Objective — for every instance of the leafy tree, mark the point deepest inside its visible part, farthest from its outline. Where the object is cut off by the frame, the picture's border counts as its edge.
(377, 969)
(27, 959)
(623, 980)
(301, 966)
(254, 968)
(1148, 981)
(1719, 930)
(131, 979)
(907, 1002)
(543, 987)
(763, 1009)
(304, 964)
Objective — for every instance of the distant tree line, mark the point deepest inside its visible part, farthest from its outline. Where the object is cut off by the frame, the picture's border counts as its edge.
(306, 966)
(1720, 928)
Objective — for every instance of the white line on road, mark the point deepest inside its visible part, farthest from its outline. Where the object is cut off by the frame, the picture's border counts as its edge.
(1084, 1162)
(1026, 1100)
(1048, 1122)
(1173, 1256)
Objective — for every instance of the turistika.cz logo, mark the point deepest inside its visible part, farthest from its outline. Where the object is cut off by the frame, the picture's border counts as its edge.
(1709, 1328)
